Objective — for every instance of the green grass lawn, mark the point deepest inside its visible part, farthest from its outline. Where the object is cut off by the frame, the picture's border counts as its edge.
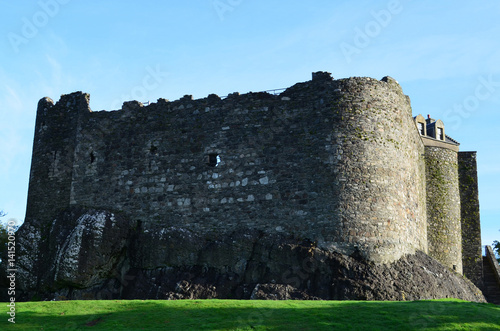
(253, 315)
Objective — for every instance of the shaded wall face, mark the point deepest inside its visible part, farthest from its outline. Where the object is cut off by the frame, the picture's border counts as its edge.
(335, 162)
(471, 228)
(443, 207)
(253, 161)
(52, 159)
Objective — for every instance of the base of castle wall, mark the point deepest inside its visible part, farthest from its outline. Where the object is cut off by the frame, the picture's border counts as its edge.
(174, 263)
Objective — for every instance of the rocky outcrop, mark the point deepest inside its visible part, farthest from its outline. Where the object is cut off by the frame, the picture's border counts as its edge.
(91, 254)
(80, 249)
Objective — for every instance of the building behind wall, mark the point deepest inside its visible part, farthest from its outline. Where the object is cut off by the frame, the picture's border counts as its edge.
(452, 204)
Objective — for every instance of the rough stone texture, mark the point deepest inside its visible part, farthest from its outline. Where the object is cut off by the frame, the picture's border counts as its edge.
(334, 161)
(492, 260)
(491, 280)
(443, 207)
(210, 197)
(471, 226)
(81, 249)
(52, 163)
(173, 263)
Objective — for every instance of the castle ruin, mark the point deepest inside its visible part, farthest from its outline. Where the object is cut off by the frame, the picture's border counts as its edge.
(222, 197)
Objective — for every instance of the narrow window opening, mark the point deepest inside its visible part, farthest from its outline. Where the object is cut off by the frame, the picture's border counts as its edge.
(213, 160)
(153, 150)
(92, 157)
(440, 134)
(421, 128)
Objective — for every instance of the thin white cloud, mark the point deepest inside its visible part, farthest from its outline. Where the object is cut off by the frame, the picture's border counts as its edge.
(13, 100)
(10, 148)
(56, 71)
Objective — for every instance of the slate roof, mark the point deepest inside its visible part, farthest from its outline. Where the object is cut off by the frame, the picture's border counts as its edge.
(451, 140)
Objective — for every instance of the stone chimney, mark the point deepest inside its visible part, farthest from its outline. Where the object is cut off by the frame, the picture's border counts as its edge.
(322, 76)
(429, 120)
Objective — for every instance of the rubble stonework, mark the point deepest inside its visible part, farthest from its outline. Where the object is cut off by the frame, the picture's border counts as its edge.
(443, 207)
(471, 225)
(211, 197)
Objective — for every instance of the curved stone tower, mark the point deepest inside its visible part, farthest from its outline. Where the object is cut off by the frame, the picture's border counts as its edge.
(380, 171)
(443, 206)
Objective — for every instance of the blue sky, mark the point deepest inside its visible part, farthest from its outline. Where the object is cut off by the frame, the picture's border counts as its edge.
(445, 55)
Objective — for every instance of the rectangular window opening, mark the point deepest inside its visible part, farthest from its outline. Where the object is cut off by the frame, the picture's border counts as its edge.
(421, 128)
(440, 134)
(213, 160)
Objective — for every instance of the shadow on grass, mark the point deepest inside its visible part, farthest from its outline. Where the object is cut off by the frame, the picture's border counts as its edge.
(256, 315)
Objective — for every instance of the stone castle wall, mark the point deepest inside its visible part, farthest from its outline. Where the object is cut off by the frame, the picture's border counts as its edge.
(381, 173)
(443, 207)
(471, 226)
(336, 162)
(254, 193)
(52, 162)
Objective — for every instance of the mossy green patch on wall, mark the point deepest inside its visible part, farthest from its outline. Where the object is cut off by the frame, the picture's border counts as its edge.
(443, 207)
(471, 226)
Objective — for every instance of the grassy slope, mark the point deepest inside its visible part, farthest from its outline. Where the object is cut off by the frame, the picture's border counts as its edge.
(253, 315)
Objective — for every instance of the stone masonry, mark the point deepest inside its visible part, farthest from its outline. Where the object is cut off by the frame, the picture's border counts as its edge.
(471, 226)
(338, 166)
(443, 207)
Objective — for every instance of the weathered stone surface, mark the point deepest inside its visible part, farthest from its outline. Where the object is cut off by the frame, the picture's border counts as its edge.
(100, 255)
(278, 292)
(471, 225)
(322, 160)
(88, 249)
(443, 207)
(80, 249)
(319, 192)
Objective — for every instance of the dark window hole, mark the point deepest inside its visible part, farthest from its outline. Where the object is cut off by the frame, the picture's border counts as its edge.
(213, 160)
